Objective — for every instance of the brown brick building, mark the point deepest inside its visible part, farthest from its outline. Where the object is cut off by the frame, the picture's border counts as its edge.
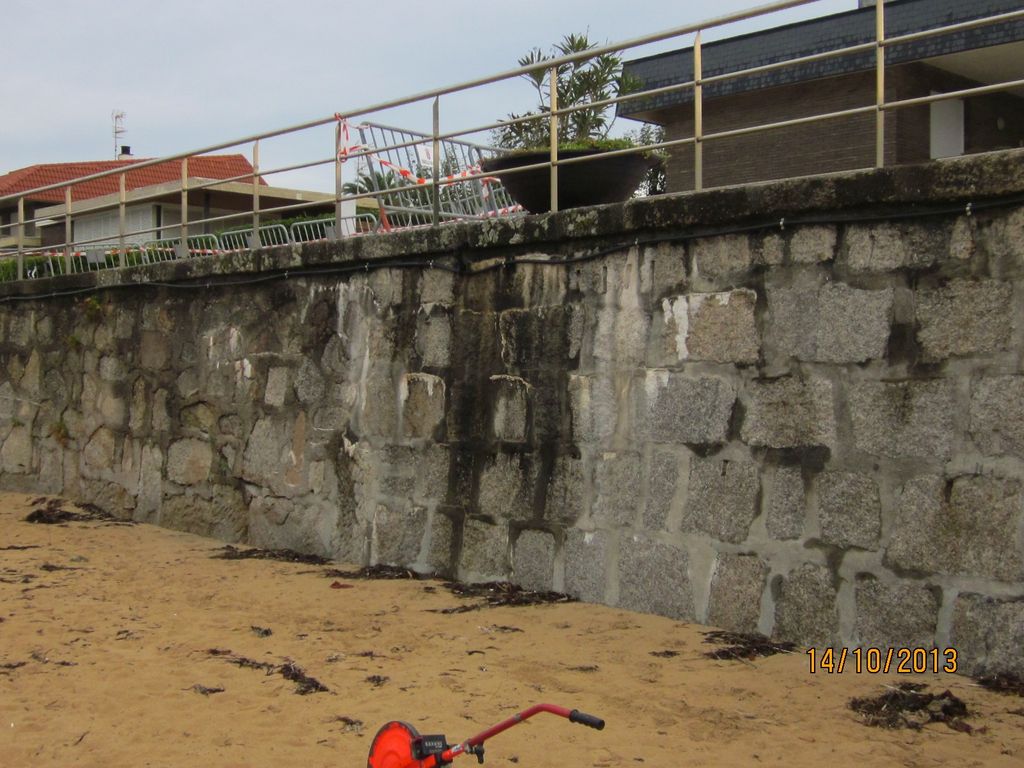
(951, 62)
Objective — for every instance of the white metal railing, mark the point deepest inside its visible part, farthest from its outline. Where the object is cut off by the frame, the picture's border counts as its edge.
(448, 182)
(331, 228)
(244, 239)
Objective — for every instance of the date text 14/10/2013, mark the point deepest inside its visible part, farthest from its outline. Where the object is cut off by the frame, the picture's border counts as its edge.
(874, 660)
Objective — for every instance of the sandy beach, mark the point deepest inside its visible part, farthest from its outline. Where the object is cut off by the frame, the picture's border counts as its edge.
(120, 646)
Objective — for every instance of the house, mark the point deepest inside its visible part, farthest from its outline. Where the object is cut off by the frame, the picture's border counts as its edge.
(153, 200)
(992, 53)
(151, 213)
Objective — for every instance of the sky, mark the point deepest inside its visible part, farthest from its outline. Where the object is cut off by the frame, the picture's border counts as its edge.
(193, 73)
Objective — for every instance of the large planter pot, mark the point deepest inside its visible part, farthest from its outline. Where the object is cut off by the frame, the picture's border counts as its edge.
(593, 182)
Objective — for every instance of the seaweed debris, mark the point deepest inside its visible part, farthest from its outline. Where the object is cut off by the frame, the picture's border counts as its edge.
(457, 609)
(350, 724)
(43, 658)
(247, 663)
(52, 512)
(95, 510)
(742, 646)
(304, 684)
(204, 690)
(502, 593)
(497, 594)
(8, 667)
(229, 552)
(909, 705)
(1003, 682)
(494, 593)
(17, 578)
(379, 571)
(666, 654)
(46, 516)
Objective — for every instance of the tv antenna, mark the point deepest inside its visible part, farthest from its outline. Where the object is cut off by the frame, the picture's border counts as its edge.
(117, 118)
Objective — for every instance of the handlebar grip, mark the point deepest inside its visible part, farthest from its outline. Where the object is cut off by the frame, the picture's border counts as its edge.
(588, 720)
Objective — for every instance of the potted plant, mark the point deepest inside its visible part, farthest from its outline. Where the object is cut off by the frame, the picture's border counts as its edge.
(580, 132)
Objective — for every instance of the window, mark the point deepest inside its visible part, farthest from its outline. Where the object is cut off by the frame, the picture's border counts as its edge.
(947, 128)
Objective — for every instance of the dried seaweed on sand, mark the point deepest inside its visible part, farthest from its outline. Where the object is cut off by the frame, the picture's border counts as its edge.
(909, 705)
(52, 512)
(304, 684)
(1003, 682)
(497, 594)
(379, 571)
(229, 552)
(743, 646)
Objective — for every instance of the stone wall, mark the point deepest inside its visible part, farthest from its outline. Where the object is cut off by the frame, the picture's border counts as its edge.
(796, 408)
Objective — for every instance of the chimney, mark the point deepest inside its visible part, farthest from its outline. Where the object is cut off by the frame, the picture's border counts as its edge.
(126, 152)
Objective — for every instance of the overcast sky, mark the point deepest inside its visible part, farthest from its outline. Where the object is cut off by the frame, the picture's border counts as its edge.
(191, 73)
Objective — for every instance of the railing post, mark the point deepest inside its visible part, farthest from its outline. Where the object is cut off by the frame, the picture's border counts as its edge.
(122, 221)
(339, 185)
(436, 158)
(880, 84)
(183, 239)
(68, 230)
(553, 100)
(21, 238)
(698, 116)
(255, 240)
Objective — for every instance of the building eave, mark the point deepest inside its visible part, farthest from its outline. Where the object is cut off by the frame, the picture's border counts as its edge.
(815, 36)
(170, 193)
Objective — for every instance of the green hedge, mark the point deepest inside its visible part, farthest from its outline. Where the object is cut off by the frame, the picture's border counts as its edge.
(58, 264)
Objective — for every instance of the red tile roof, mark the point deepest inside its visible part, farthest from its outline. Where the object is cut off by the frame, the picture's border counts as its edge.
(202, 167)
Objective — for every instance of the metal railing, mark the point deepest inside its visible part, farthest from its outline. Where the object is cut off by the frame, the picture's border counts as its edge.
(404, 164)
(332, 228)
(244, 239)
(50, 262)
(436, 175)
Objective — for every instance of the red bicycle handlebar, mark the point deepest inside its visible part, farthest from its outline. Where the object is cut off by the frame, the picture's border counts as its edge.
(469, 745)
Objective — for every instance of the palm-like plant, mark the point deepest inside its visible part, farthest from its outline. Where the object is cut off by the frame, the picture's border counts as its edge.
(577, 83)
(409, 193)
(367, 183)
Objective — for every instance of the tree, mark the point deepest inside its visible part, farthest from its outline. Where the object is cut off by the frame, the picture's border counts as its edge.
(654, 181)
(577, 83)
(366, 184)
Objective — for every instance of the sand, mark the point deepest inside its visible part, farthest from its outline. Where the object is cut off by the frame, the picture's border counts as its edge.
(106, 631)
